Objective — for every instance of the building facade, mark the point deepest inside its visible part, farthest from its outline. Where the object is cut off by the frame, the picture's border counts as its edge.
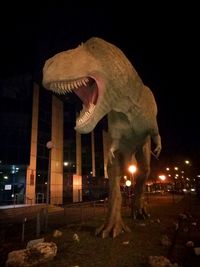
(42, 158)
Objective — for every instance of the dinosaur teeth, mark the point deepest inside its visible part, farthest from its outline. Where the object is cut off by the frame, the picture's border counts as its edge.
(61, 87)
(91, 107)
(85, 115)
(75, 85)
(68, 87)
(64, 86)
(71, 86)
(51, 87)
(84, 82)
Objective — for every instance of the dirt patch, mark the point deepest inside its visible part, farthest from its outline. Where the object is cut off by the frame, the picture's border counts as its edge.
(129, 249)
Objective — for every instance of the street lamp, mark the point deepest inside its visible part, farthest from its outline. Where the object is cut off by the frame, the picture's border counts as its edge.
(128, 183)
(49, 145)
(162, 178)
(132, 169)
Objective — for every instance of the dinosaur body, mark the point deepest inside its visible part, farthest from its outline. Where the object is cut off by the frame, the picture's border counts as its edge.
(107, 83)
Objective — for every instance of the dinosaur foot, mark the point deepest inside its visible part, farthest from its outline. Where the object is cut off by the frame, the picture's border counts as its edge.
(112, 229)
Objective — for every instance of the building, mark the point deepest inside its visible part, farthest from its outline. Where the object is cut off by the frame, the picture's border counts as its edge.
(39, 148)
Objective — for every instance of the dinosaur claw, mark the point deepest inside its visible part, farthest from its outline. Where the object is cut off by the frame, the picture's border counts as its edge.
(111, 154)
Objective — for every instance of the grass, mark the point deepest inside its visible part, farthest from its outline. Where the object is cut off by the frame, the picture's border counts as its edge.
(129, 249)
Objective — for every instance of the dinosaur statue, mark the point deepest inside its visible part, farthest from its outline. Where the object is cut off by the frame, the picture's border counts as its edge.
(103, 78)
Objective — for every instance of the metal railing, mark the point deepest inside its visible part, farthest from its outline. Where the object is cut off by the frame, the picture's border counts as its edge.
(31, 223)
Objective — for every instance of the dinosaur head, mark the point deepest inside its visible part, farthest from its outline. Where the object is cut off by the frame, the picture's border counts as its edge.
(96, 71)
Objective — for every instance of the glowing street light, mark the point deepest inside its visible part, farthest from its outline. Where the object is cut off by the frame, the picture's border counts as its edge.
(132, 169)
(128, 183)
(162, 177)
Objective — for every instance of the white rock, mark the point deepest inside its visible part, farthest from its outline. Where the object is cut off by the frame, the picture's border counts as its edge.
(57, 233)
(197, 251)
(189, 244)
(76, 238)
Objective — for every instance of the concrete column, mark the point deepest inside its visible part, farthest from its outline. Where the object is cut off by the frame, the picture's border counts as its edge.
(77, 178)
(56, 177)
(93, 155)
(77, 188)
(78, 154)
(31, 170)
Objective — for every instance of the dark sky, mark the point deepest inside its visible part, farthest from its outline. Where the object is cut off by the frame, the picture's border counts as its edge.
(159, 39)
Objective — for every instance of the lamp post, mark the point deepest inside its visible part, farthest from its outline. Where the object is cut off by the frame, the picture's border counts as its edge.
(162, 178)
(128, 185)
(49, 145)
(132, 169)
(189, 179)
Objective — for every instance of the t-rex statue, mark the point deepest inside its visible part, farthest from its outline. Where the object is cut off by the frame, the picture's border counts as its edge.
(107, 84)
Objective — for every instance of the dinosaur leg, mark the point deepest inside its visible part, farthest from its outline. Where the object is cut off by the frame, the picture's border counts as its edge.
(143, 157)
(114, 224)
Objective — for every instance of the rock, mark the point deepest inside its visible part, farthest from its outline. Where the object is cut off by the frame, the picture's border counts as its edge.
(176, 225)
(36, 254)
(142, 224)
(34, 242)
(197, 251)
(125, 243)
(165, 241)
(76, 238)
(17, 258)
(189, 244)
(183, 216)
(57, 233)
(159, 261)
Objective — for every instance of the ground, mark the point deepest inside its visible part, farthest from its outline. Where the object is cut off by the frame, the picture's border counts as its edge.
(129, 249)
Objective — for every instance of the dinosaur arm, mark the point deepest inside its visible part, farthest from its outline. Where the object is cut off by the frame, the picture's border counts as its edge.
(157, 141)
(114, 147)
(155, 136)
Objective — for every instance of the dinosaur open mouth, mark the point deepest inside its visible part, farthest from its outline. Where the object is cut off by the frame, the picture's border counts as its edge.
(86, 89)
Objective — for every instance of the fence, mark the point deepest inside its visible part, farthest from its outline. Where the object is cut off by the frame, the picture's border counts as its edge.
(24, 223)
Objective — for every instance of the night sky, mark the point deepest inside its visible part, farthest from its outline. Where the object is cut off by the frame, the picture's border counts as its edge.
(159, 39)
